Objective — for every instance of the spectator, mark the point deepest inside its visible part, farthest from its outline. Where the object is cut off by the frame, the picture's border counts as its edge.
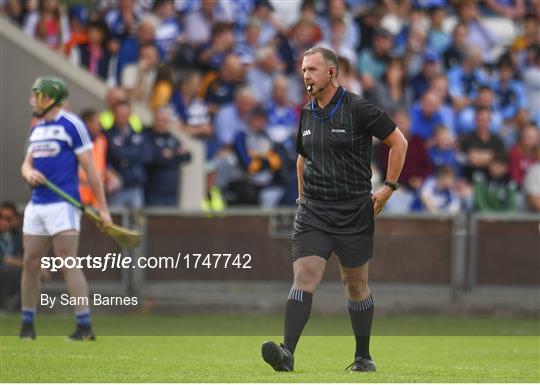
(162, 170)
(348, 78)
(168, 30)
(444, 151)
(528, 39)
(512, 10)
(127, 154)
(139, 78)
(211, 56)
(123, 20)
(438, 39)
(392, 92)
(524, 153)
(531, 186)
(78, 21)
(531, 79)
(259, 163)
(454, 54)
(282, 119)
(426, 115)
(249, 43)
(15, 10)
(439, 193)
(510, 94)
(465, 120)
(414, 50)
(481, 145)
(495, 191)
(372, 62)
(114, 96)
(263, 11)
(49, 24)
(219, 91)
(466, 79)
(163, 88)
(338, 17)
(260, 77)
(93, 55)
(439, 85)
(10, 254)
(430, 69)
(110, 179)
(199, 23)
(190, 110)
(478, 35)
(336, 40)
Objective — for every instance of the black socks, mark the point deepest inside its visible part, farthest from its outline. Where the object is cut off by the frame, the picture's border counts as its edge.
(296, 316)
(361, 313)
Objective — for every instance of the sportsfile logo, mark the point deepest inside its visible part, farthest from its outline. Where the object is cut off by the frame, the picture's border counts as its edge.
(306, 133)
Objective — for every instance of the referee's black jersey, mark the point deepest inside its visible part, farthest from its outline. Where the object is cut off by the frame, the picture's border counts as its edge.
(336, 143)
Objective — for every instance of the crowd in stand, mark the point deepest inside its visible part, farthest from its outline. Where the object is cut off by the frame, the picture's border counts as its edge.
(228, 73)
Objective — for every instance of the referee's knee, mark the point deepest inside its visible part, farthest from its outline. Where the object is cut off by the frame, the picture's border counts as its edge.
(306, 280)
(356, 291)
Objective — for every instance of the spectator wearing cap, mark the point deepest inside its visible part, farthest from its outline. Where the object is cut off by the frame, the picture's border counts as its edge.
(163, 167)
(220, 90)
(48, 24)
(168, 31)
(481, 145)
(392, 92)
(465, 80)
(478, 35)
(93, 55)
(199, 23)
(525, 152)
(260, 77)
(78, 21)
(258, 163)
(191, 110)
(465, 121)
(510, 94)
(426, 115)
(123, 19)
(494, 190)
(339, 17)
(113, 96)
(127, 154)
(438, 39)
(454, 54)
(210, 56)
(372, 62)
(430, 68)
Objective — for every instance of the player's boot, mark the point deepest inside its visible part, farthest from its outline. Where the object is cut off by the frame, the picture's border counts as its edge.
(277, 356)
(27, 331)
(362, 364)
(82, 333)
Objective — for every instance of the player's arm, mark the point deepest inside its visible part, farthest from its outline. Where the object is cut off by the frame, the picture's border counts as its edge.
(299, 174)
(398, 149)
(32, 176)
(86, 160)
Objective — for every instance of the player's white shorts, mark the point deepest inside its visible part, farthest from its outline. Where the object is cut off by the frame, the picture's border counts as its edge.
(50, 219)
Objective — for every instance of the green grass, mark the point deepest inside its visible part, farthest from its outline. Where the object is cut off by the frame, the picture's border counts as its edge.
(510, 356)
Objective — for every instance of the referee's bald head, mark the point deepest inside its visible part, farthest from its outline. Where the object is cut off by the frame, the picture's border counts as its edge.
(330, 58)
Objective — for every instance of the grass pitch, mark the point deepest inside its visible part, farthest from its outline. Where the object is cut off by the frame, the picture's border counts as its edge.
(175, 354)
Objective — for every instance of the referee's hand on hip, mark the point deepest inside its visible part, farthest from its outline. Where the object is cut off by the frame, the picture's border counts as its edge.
(380, 197)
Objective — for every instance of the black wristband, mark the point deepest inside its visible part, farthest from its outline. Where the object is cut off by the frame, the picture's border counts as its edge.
(393, 186)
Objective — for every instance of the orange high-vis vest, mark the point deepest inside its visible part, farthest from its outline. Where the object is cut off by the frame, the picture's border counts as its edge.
(99, 153)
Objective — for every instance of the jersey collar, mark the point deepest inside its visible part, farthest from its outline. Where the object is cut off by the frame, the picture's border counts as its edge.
(337, 96)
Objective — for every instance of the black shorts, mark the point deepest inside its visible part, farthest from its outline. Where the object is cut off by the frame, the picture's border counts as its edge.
(344, 227)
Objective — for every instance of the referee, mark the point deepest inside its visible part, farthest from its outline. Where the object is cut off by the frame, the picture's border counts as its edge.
(336, 209)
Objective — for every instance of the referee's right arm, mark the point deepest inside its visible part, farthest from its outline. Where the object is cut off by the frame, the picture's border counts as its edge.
(299, 172)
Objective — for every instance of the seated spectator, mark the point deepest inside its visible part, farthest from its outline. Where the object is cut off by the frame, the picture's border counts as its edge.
(444, 152)
(110, 180)
(263, 11)
(15, 10)
(392, 93)
(246, 48)
(337, 11)
(528, 38)
(495, 191)
(335, 41)
(220, 90)
(163, 88)
(454, 54)
(464, 80)
(211, 56)
(478, 35)
(162, 170)
(531, 80)
(123, 19)
(430, 69)
(11, 252)
(481, 145)
(93, 55)
(199, 23)
(127, 154)
(78, 22)
(282, 118)
(426, 115)
(372, 62)
(189, 109)
(113, 96)
(259, 164)
(531, 187)
(465, 120)
(524, 153)
(414, 50)
(439, 193)
(138, 80)
(348, 78)
(510, 94)
(438, 39)
(168, 30)
(49, 24)
(260, 77)
(439, 85)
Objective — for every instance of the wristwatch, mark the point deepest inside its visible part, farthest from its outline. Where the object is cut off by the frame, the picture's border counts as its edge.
(393, 185)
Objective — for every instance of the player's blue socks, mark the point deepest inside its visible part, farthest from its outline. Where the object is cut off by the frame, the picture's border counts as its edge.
(83, 318)
(28, 315)
(361, 313)
(296, 316)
